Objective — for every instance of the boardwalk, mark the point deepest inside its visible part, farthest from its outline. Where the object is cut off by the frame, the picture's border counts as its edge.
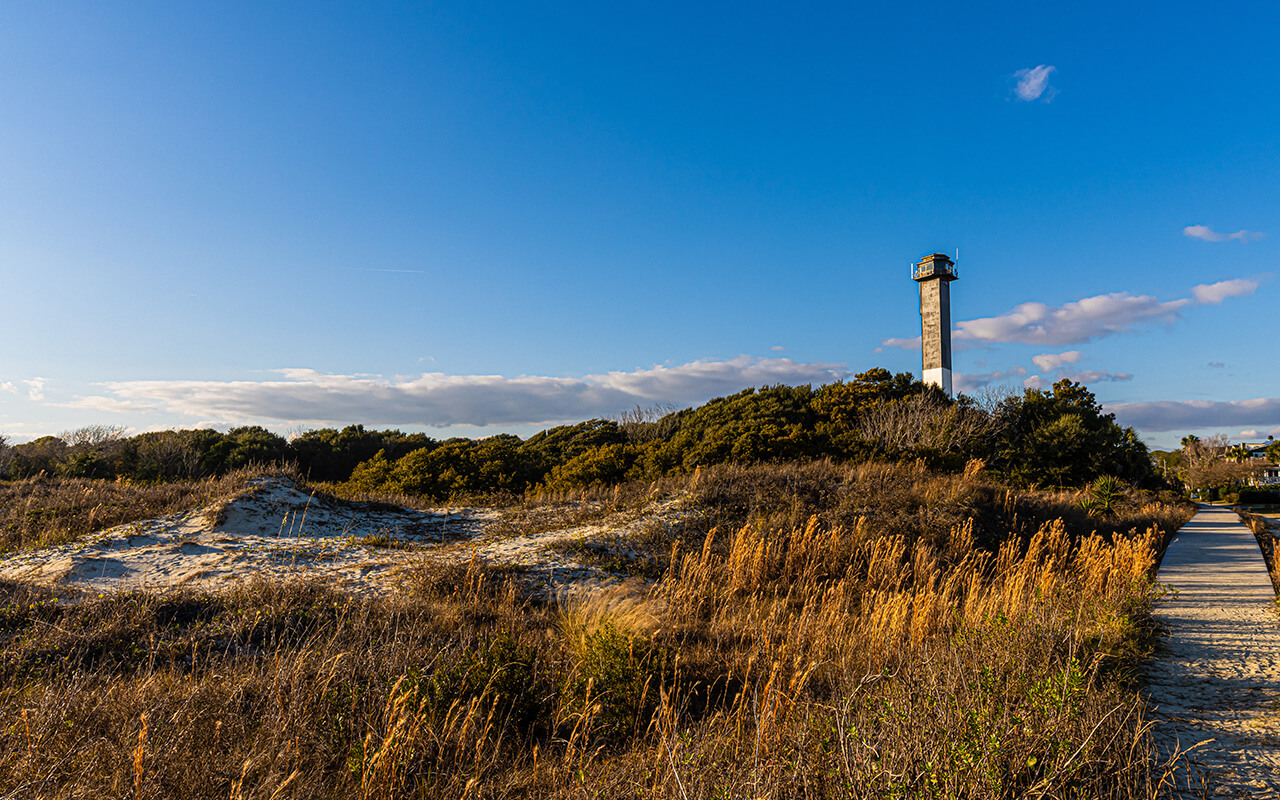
(1219, 678)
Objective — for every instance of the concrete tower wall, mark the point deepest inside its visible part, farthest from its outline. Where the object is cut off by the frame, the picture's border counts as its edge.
(934, 274)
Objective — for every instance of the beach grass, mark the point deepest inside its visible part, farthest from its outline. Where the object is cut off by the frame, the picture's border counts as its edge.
(823, 632)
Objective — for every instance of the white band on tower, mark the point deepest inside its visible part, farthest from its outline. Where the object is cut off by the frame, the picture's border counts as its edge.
(940, 376)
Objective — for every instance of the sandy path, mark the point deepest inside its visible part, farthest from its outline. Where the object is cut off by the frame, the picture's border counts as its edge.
(1218, 681)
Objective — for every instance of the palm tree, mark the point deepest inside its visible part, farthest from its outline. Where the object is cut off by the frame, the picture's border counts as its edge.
(1238, 453)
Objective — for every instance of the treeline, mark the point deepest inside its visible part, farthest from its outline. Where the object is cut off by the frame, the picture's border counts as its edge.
(1059, 437)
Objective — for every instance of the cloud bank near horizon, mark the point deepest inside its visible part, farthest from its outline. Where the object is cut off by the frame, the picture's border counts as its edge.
(304, 396)
(1177, 415)
(1082, 321)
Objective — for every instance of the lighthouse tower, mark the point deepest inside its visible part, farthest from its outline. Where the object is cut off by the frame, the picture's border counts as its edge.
(935, 273)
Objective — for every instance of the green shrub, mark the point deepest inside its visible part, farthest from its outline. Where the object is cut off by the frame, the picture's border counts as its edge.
(600, 465)
(1259, 497)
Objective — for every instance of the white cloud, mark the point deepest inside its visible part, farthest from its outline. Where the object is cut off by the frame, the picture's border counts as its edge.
(35, 388)
(1037, 382)
(1082, 321)
(1211, 294)
(307, 396)
(6, 386)
(1252, 433)
(1076, 322)
(1170, 415)
(1048, 362)
(1206, 234)
(1033, 83)
(968, 382)
(777, 348)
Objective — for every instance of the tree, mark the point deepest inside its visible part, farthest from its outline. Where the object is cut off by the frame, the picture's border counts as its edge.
(44, 455)
(328, 454)
(1206, 463)
(93, 451)
(1272, 452)
(1239, 453)
(94, 437)
(243, 446)
(1062, 437)
(168, 455)
(1166, 463)
(548, 449)
(926, 425)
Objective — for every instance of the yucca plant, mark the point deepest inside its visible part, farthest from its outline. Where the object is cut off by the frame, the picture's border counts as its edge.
(1102, 495)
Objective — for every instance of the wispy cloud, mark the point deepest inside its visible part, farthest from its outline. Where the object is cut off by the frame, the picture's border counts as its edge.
(1212, 294)
(1170, 415)
(307, 396)
(108, 404)
(1048, 362)
(968, 382)
(6, 386)
(1096, 376)
(907, 343)
(1086, 376)
(1217, 364)
(1033, 83)
(1206, 234)
(35, 388)
(1082, 321)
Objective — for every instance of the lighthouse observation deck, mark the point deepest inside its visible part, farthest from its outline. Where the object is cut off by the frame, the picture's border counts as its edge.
(937, 266)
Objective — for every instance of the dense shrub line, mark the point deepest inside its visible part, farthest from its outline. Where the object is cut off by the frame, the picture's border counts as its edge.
(1057, 437)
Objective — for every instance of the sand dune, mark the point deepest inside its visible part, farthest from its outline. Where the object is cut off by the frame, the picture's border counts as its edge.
(275, 531)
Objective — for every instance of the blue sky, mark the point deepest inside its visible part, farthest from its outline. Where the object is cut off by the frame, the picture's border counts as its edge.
(469, 218)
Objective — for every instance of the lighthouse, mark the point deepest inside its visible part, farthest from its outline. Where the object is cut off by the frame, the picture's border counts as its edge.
(935, 273)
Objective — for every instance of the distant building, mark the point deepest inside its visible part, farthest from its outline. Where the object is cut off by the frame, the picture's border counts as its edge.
(1266, 472)
(935, 273)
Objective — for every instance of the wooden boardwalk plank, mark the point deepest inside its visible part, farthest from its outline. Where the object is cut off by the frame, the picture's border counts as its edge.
(1217, 681)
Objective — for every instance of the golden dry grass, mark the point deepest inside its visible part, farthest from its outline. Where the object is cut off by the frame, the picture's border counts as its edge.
(851, 655)
(44, 511)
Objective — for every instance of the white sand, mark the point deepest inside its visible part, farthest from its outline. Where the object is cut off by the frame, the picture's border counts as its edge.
(546, 558)
(272, 530)
(275, 531)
